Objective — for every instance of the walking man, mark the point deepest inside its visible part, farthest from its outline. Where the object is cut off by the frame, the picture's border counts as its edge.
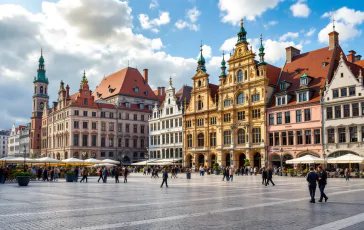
(100, 175)
(269, 176)
(322, 181)
(84, 173)
(264, 176)
(165, 178)
(312, 179)
(126, 175)
(104, 174)
(224, 174)
(117, 173)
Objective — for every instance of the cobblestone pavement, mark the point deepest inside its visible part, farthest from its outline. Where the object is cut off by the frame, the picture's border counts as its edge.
(200, 203)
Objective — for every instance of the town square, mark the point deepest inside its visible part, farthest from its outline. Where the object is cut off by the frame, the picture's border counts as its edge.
(183, 114)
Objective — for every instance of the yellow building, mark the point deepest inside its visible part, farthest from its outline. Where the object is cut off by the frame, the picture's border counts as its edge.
(230, 126)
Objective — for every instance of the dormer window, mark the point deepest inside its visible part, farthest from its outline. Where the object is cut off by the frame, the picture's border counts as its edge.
(281, 100)
(304, 80)
(324, 64)
(146, 93)
(302, 97)
(283, 86)
(150, 107)
(136, 89)
(141, 106)
(127, 105)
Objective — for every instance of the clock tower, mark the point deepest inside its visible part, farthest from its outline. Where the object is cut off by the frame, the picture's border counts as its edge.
(40, 99)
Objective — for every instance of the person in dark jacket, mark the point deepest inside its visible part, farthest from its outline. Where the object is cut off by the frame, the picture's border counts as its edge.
(312, 179)
(264, 176)
(105, 173)
(165, 178)
(117, 174)
(126, 175)
(39, 173)
(269, 176)
(322, 181)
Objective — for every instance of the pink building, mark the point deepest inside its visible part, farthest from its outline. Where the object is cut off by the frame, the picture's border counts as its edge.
(294, 117)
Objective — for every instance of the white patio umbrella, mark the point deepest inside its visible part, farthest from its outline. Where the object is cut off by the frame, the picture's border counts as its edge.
(72, 161)
(92, 161)
(47, 160)
(21, 160)
(307, 159)
(348, 158)
(110, 161)
(105, 165)
(6, 158)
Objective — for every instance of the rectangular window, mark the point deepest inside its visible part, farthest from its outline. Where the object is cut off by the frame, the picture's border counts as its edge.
(180, 137)
(271, 139)
(241, 115)
(76, 113)
(335, 93)
(127, 128)
(111, 142)
(75, 124)
(256, 113)
(331, 136)
(343, 92)
(298, 115)
(307, 115)
(255, 97)
(111, 126)
(135, 117)
(127, 116)
(329, 113)
(271, 119)
(189, 141)
(213, 139)
(256, 135)
(355, 108)
(342, 135)
(227, 117)
(227, 137)
(103, 142)
(302, 97)
(299, 138)
(317, 136)
(103, 115)
(353, 134)
(93, 114)
(93, 125)
(188, 124)
(276, 139)
(103, 154)
(213, 121)
(227, 103)
(111, 115)
(135, 128)
(352, 91)
(362, 133)
(308, 137)
(142, 129)
(75, 139)
(93, 140)
(338, 111)
(84, 125)
(290, 138)
(135, 144)
(142, 143)
(120, 127)
(279, 118)
(362, 108)
(287, 117)
(127, 143)
(84, 140)
(346, 110)
(284, 138)
(200, 122)
(303, 81)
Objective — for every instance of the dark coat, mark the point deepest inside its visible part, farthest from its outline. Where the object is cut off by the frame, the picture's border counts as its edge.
(323, 176)
(312, 178)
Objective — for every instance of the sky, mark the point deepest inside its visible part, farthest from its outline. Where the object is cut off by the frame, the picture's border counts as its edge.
(164, 36)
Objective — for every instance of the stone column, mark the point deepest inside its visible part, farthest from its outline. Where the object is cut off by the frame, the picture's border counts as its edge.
(312, 136)
(336, 135)
(295, 138)
(360, 138)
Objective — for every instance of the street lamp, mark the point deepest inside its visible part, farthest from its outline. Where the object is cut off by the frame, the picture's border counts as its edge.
(146, 156)
(25, 154)
(324, 155)
(281, 151)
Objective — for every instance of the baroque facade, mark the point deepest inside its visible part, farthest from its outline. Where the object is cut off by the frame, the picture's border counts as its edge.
(225, 123)
(166, 124)
(18, 138)
(4, 138)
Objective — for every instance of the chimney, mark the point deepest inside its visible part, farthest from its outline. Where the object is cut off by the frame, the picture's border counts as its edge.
(163, 90)
(333, 39)
(357, 58)
(67, 91)
(351, 56)
(145, 73)
(290, 53)
(159, 91)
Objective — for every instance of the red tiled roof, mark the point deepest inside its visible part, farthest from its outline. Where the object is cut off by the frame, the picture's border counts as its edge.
(310, 63)
(273, 74)
(105, 106)
(355, 68)
(124, 83)
(214, 89)
(160, 97)
(360, 63)
(184, 94)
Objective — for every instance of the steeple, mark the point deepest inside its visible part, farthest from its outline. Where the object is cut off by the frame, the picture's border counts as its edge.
(201, 61)
(242, 33)
(223, 66)
(84, 81)
(41, 77)
(170, 86)
(261, 52)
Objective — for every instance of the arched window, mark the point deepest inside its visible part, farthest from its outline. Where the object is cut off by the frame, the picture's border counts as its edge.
(85, 101)
(199, 83)
(136, 89)
(199, 105)
(35, 90)
(169, 101)
(200, 141)
(189, 140)
(258, 72)
(45, 90)
(241, 136)
(240, 76)
(41, 89)
(246, 74)
(240, 98)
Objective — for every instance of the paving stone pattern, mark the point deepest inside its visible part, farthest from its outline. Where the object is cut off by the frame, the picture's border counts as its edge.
(200, 203)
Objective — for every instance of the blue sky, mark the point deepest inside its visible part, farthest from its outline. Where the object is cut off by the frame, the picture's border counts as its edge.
(102, 36)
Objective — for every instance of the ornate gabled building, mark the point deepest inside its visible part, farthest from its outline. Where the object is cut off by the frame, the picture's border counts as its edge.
(166, 124)
(15, 146)
(294, 115)
(343, 109)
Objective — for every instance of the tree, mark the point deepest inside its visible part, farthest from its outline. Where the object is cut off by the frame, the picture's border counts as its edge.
(247, 163)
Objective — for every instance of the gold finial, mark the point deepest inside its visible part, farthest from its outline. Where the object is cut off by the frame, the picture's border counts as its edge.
(242, 22)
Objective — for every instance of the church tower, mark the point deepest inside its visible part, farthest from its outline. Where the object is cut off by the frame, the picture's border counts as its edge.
(40, 99)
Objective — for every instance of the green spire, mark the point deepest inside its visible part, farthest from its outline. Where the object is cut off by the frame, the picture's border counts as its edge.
(242, 33)
(223, 66)
(261, 51)
(41, 77)
(84, 79)
(201, 61)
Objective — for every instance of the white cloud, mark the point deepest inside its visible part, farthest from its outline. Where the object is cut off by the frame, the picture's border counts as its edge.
(206, 51)
(311, 32)
(270, 23)
(229, 44)
(346, 22)
(300, 9)
(153, 4)
(275, 51)
(154, 24)
(234, 10)
(287, 35)
(192, 17)
(193, 14)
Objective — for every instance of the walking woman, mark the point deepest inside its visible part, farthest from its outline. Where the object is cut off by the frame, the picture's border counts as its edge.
(104, 174)
(84, 173)
(100, 174)
(117, 173)
(347, 174)
(126, 175)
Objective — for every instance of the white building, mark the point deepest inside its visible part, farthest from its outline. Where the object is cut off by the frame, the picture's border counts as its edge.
(14, 141)
(343, 110)
(166, 124)
(4, 135)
